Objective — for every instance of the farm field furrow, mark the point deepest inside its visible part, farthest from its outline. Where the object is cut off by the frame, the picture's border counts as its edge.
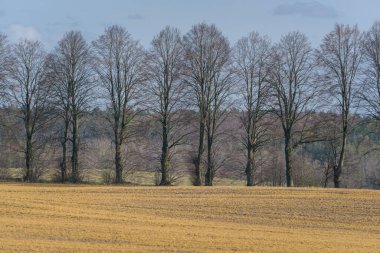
(85, 218)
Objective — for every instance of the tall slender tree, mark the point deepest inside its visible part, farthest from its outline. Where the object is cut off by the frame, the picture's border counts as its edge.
(340, 56)
(370, 93)
(29, 91)
(252, 55)
(118, 64)
(207, 53)
(60, 102)
(166, 89)
(5, 62)
(290, 77)
(218, 103)
(70, 70)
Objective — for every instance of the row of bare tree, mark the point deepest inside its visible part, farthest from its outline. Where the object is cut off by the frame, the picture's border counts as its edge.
(199, 71)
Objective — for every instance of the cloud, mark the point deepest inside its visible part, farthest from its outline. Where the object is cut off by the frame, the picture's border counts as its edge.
(17, 32)
(308, 9)
(135, 16)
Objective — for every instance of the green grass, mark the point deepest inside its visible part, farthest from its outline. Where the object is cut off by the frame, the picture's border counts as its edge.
(143, 178)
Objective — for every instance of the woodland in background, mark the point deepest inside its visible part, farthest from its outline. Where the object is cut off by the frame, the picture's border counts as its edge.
(194, 106)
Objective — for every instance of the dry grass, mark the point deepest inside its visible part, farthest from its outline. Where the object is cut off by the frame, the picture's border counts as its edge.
(55, 218)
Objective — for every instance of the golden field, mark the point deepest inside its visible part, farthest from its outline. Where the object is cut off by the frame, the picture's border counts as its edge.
(85, 218)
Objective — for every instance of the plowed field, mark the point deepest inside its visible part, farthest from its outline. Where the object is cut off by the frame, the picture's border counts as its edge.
(66, 218)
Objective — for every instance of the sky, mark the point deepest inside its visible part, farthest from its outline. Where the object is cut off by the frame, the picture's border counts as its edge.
(48, 20)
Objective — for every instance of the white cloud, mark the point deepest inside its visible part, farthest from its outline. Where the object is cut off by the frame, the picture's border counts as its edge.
(17, 32)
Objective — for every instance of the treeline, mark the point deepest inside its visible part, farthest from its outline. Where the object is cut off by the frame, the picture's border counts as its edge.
(195, 94)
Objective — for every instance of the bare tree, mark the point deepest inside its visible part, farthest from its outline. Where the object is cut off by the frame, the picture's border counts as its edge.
(71, 73)
(252, 55)
(218, 102)
(340, 57)
(166, 89)
(118, 63)
(30, 92)
(56, 75)
(290, 78)
(328, 155)
(207, 52)
(5, 62)
(370, 92)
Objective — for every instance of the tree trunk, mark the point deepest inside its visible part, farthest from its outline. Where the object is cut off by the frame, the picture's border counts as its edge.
(288, 159)
(209, 177)
(118, 134)
(338, 168)
(28, 159)
(165, 163)
(250, 167)
(63, 164)
(326, 179)
(74, 155)
(28, 144)
(198, 175)
(118, 160)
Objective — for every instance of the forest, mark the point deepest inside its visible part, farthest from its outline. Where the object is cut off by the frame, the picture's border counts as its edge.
(193, 108)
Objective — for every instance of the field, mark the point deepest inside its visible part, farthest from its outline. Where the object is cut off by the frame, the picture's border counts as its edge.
(67, 218)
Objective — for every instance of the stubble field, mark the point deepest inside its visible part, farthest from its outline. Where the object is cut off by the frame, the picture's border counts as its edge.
(66, 218)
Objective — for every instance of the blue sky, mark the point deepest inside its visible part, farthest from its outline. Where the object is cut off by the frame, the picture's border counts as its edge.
(48, 20)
